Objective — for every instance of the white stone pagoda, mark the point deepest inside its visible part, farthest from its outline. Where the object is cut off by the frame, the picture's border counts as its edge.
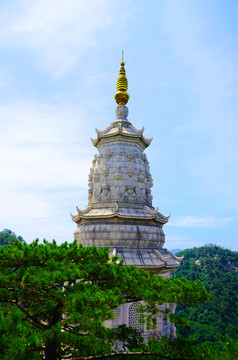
(120, 214)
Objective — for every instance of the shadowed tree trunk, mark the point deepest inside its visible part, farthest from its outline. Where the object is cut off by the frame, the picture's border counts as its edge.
(51, 351)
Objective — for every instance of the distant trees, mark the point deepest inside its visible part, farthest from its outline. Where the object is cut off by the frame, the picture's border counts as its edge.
(217, 268)
(8, 237)
(9, 232)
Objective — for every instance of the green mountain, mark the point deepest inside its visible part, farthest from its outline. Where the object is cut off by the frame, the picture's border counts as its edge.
(217, 269)
(8, 237)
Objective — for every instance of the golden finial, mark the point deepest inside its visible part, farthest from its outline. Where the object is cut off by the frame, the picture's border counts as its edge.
(121, 95)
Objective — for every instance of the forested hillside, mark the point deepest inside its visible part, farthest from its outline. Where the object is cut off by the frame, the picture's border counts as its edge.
(8, 237)
(217, 268)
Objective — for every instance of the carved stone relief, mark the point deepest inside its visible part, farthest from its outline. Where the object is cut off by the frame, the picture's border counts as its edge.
(96, 176)
(107, 180)
(105, 189)
(118, 190)
(90, 194)
(141, 176)
(130, 155)
(140, 191)
(105, 171)
(139, 158)
(130, 171)
(130, 189)
(118, 174)
(97, 191)
(119, 156)
(107, 155)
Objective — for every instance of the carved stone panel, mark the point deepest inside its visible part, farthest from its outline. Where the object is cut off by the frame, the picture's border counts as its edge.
(118, 174)
(140, 191)
(141, 176)
(97, 191)
(105, 189)
(117, 190)
(130, 171)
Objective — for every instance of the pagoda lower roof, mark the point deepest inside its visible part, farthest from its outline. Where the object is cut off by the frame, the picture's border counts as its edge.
(154, 258)
(144, 213)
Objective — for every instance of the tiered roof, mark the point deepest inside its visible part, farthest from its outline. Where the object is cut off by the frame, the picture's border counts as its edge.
(145, 213)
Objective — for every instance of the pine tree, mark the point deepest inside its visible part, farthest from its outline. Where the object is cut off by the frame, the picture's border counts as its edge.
(55, 299)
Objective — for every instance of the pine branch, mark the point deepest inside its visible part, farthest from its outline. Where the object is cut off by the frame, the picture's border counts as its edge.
(129, 354)
(31, 318)
(69, 329)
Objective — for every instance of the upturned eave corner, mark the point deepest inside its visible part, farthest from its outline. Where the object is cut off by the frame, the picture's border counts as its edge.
(179, 259)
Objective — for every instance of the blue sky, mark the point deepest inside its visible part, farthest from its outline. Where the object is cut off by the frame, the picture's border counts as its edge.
(58, 69)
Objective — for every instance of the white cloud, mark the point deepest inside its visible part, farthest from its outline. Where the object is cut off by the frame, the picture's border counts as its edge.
(43, 160)
(60, 32)
(208, 222)
(40, 145)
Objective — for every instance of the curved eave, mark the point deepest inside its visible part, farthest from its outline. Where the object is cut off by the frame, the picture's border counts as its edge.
(80, 217)
(105, 131)
(146, 142)
(162, 266)
(147, 259)
(155, 212)
(118, 124)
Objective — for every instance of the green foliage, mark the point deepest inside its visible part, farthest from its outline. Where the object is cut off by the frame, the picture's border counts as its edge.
(129, 337)
(18, 338)
(178, 349)
(217, 268)
(58, 297)
(7, 237)
(191, 349)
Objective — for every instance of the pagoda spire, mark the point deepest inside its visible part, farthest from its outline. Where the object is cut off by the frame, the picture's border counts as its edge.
(121, 95)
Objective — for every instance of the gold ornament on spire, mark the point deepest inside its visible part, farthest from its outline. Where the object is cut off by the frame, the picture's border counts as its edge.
(121, 95)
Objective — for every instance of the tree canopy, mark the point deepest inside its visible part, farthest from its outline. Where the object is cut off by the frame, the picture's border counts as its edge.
(54, 299)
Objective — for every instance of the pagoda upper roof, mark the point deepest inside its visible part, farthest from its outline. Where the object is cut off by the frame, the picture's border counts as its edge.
(121, 127)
